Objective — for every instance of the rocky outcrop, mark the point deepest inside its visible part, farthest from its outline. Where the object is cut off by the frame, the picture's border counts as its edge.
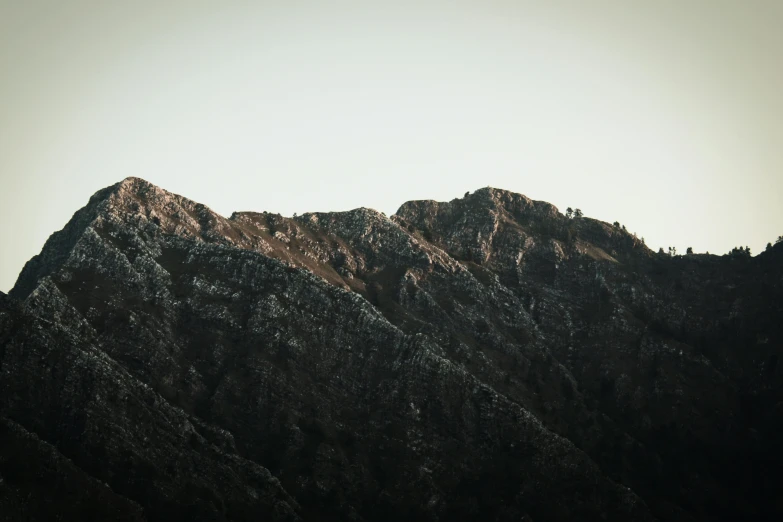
(481, 359)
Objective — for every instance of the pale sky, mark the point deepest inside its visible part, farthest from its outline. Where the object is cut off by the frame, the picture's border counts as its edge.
(665, 115)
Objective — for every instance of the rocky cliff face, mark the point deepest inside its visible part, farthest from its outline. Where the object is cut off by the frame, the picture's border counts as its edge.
(481, 359)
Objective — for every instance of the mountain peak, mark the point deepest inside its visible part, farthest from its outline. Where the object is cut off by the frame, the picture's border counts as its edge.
(132, 201)
(483, 200)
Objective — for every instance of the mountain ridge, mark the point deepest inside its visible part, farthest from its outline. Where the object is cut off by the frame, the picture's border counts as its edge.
(183, 216)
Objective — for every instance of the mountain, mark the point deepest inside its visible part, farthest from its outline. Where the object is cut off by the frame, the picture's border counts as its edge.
(486, 358)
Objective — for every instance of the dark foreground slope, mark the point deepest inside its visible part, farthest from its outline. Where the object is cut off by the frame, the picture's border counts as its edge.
(483, 359)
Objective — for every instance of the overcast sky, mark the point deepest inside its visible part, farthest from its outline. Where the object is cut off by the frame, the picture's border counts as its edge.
(664, 115)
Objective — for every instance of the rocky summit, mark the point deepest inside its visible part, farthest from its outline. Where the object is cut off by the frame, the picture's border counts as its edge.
(486, 359)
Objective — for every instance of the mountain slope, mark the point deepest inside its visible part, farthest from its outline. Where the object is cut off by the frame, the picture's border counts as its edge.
(485, 358)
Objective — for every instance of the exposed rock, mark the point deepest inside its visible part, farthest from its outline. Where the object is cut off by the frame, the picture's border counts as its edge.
(481, 359)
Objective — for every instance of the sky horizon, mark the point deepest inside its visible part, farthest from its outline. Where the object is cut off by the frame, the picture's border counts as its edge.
(664, 116)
